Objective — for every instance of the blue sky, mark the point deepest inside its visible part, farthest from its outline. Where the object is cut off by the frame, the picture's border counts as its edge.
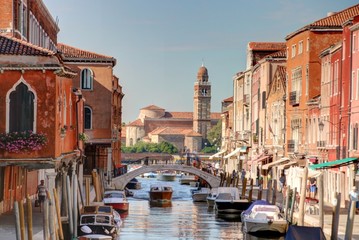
(160, 44)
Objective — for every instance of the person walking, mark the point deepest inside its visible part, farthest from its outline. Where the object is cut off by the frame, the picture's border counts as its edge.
(354, 196)
(281, 182)
(41, 193)
(243, 175)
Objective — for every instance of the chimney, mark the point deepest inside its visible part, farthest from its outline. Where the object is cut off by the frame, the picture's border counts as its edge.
(331, 14)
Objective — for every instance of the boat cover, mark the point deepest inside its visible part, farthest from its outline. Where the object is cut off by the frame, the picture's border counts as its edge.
(257, 202)
(307, 233)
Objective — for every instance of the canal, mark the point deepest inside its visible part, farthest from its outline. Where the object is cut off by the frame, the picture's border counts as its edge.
(182, 219)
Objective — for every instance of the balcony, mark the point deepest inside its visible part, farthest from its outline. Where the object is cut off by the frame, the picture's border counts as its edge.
(321, 144)
(293, 98)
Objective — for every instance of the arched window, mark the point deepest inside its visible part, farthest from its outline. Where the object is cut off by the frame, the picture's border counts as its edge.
(86, 79)
(21, 109)
(88, 117)
(355, 137)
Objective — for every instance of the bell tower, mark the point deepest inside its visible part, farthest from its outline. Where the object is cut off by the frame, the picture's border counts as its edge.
(202, 103)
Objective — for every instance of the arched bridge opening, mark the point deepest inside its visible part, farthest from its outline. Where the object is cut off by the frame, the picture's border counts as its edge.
(120, 182)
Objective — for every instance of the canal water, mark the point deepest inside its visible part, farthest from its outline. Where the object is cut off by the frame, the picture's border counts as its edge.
(182, 219)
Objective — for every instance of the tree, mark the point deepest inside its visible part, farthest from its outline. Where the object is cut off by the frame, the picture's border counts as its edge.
(140, 147)
(214, 137)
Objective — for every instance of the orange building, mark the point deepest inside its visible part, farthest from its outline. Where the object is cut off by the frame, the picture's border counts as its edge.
(102, 112)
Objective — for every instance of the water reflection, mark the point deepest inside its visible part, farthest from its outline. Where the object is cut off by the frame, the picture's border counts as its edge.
(182, 219)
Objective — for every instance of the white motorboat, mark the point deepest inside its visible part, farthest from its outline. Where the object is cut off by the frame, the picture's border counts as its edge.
(117, 199)
(262, 216)
(167, 176)
(200, 195)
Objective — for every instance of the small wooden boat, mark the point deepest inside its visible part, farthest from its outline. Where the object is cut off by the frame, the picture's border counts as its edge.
(161, 193)
(200, 194)
(117, 199)
(304, 232)
(262, 216)
(99, 222)
(228, 201)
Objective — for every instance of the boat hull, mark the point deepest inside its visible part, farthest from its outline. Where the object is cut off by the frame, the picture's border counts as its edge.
(161, 196)
(230, 207)
(133, 185)
(279, 226)
(119, 206)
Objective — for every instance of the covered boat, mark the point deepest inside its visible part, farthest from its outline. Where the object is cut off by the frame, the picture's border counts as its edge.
(133, 184)
(302, 232)
(262, 216)
(212, 197)
(99, 222)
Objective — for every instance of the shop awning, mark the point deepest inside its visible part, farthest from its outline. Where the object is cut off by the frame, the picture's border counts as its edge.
(287, 165)
(217, 154)
(334, 164)
(261, 159)
(282, 160)
(244, 149)
(235, 151)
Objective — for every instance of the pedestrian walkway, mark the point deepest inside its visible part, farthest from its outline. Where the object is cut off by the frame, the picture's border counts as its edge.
(7, 224)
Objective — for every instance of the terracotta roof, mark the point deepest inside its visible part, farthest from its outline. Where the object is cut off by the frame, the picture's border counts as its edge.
(279, 54)
(334, 21)
(215, 115)
(136, 123)
(170, 131)
(181, 115)
(72, 53)
(230, 99)
(14, 46)
(152, 107)
(265, 46)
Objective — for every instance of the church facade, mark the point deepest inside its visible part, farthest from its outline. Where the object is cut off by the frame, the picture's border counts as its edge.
(185, 130)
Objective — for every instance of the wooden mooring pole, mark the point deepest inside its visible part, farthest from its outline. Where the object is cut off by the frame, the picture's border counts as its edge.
(335, 219)
(29, 218)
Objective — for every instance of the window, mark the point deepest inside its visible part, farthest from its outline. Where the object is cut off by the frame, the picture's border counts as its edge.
(64, 110)
(354, 43)
(297, 81)
(88, 118)
(21, 109)
(352, 89)
(294, 49)
(355, 137)
(357, 85)
(307, 80)
(300, 47)
(307, 44)
(86, 79)
(335, 77)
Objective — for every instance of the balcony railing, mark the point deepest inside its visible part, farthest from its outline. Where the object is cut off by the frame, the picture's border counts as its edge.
(321, 144)
(293, 98)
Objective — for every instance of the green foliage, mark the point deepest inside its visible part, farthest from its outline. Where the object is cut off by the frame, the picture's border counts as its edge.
(215, 135)
(211, 149)
(140, 147)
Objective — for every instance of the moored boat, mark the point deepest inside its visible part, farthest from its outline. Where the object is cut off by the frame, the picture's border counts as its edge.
(200, 195)
(212, 197)
(99, 222)
(262, 216)
(117, 199)
(228, 201)
(161, 193)
(188, 179)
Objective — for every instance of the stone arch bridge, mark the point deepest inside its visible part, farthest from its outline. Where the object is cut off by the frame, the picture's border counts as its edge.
(121, 181)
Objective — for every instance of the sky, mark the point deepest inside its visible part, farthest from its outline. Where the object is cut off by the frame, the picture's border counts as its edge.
(161, 44)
